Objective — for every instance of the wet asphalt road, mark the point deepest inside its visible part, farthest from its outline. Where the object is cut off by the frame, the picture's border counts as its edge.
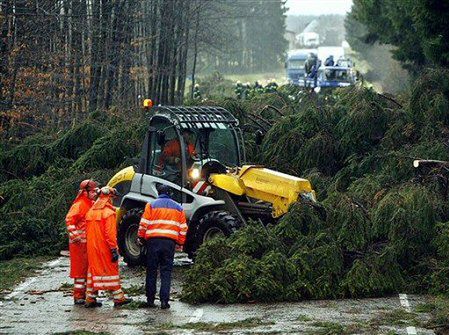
(42, 305)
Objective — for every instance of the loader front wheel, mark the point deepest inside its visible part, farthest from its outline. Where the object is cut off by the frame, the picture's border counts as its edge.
(131, 251)
(216, 224)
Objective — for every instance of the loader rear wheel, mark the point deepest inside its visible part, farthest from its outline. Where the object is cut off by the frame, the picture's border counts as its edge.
(216, 224)
(127, 237)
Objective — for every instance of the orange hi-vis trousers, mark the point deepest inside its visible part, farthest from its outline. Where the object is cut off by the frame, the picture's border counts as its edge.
(79, 290)
(105, 283)
(76, 227)
(102, 273)
(78, 269)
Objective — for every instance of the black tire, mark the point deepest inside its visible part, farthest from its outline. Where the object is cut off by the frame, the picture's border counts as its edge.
(127, 238)
(213, 224)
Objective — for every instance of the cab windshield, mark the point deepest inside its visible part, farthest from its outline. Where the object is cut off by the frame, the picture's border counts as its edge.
(296, 64)
(216, 143)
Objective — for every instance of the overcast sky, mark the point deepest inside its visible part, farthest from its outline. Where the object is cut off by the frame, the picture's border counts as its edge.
(318, 7)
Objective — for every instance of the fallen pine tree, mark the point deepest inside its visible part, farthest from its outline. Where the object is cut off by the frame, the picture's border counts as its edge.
(40, 178)
(385, 228)
(306, 257)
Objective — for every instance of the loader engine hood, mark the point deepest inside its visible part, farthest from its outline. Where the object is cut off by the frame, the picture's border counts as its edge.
(257, 182)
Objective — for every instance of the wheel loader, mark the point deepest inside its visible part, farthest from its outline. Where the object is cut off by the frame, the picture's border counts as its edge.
(217, 191)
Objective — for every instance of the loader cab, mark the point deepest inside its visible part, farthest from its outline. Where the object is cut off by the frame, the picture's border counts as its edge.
(182, 140)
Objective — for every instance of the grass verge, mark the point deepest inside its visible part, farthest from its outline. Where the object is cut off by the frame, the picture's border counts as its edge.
(328, 328)
(14, 270)
(396, 317)
(215, 327)
(438, 308)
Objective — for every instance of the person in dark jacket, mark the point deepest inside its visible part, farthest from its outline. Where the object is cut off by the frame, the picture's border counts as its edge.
(329, 61)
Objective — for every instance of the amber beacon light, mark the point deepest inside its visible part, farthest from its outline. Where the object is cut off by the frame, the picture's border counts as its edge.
(147, 103)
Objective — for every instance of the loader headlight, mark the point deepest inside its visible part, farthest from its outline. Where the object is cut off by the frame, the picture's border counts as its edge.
(195, 173)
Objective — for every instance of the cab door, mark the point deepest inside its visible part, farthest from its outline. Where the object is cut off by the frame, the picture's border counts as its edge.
(158, 169)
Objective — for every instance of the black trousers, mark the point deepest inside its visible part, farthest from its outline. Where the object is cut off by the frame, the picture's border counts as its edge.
(160, 255)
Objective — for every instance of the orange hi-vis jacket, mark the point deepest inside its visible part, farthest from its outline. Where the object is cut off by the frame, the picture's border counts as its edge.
(164, 218)
(76, 227)
(101, 239)
(173, 149)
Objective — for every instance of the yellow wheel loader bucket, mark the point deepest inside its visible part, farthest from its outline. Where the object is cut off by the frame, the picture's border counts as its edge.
(279, 189)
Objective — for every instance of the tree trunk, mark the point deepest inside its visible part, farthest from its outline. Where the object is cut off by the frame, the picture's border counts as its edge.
(182, 73)
(195, 54)
(117, 27)
(173, 64)
(78, 56)
(104, 47)
(4, 50)
(95, 68)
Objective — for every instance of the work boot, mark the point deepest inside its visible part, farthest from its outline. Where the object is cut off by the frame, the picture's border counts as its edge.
(165, 305)
(92, 304)
(150, 303)
(121, 302)
(79, 301)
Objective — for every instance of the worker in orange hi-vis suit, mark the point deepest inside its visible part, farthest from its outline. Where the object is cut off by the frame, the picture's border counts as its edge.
(76, 227)
(102, 250)
(171, 153)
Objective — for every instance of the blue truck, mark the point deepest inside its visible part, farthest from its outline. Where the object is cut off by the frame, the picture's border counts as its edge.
(294, 65)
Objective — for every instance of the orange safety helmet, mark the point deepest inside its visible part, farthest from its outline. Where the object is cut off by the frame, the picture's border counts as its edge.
(88, 185)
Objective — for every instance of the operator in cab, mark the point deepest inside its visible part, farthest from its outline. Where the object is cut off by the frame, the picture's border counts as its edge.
(171, 154)
(170, 160)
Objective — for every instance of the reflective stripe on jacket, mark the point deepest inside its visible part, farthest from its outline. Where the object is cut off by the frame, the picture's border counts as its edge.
(75, 219)
(164, 218)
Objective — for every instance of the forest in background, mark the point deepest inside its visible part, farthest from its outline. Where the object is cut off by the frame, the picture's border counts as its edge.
(60, 60)
(417, 29)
